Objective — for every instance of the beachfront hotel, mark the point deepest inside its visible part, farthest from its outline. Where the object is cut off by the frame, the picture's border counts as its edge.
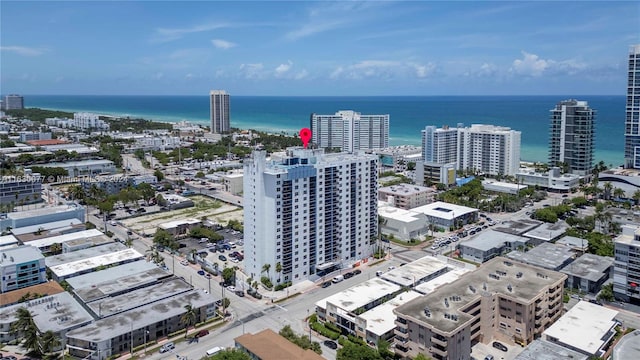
(632, 119)
(493, 150)
(219, 100)
(439, 145)
(350, 131)
(309, 211)
(572, 136)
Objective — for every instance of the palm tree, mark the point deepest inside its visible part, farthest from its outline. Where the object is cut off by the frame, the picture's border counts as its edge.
(266, 268)
(188, 318)
(619, 193)
(636, 196)
(55, 248)
(24, 328)
(49, 342)
(129, 242)
(278, 270)
(607, 190)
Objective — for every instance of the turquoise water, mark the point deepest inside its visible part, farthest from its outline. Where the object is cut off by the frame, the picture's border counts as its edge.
(408, 114)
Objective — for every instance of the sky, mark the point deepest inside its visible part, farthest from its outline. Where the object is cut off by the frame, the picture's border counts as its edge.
(346, 48)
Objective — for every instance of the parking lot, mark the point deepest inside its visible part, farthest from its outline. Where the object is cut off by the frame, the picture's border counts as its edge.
(214, 252)
(480, 351)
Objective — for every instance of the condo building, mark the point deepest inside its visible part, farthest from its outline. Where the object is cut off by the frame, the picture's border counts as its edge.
(219, 100)
(21, 267)
(309, 211)
(572, 136)
(632, 119)
(501, 300)
(626, 269)
(350, 131)
(493, 150)
(440, 145)
(13, 102)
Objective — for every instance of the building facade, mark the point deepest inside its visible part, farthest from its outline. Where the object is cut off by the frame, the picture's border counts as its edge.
(308, 211)
(219, 102)
(500, 300)
(552, 180)
(20, 190)
(626, 269)
(493, 150)
(350, 131)
(572, 136)
(440, 145)
(632, 119)
(407, 196)
(21, 267)
(428, 173)
(13, 102)
(88, 121)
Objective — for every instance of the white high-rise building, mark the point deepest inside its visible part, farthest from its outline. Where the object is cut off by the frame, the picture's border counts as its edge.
(350, 131)
(309, 211)
(87, 121)
(632, 120)
(493, 150)
(13, 102)
(572, 136)
(219, 100)
(440, 145)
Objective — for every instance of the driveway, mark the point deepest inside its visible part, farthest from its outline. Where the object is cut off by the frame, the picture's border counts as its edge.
(481, 350)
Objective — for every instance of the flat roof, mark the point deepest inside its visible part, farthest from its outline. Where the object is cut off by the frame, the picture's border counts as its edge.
(491, 239)
(268, 345)
(45, 289)
(113, 273)
(574, 242)
(381, 319)
(176, 223)
(584, 326)
(628, 347)
(517, 227)
(44, 211)
(402, 215)
(444, 210)
(415, 271)
(80, 163)
(45, 242)
(54, 225)
(359, 295)
(589, 266)
(92, 263)
(547, 231)
(20, 254)
(143, 316)
(546, 255)
(88, 253)
(446, 278)
(112, 305)
(503, 184)
(56, 312)
(8, 240)
(545, 350)
(405, 189)
(494, 276)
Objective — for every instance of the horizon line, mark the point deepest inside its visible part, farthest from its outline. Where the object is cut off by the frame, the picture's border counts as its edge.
(302, 96)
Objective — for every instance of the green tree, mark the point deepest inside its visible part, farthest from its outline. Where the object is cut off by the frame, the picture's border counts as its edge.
(278, 269)
(158, 174)
(421, 356)
(188, 318)
(266, 268)
(199, 175)
(352, 351)
(606, 293)
(49, 342)
(383, 349)
(146, 192)
(25, 329)
(230, 354)
(229, 275)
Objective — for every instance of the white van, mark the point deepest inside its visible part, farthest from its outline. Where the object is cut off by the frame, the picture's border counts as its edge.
(338, 279)
(214, 351)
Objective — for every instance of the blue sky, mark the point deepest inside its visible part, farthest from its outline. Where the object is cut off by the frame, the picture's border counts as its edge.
(316, 48)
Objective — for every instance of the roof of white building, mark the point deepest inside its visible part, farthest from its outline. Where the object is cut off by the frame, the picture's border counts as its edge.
(45, 242)
(444, 210)
(44, 211)
(57, 226)
(113, 273)
(405, 189)
(84, 254)
(402, 215)
(8, 240)
(359, 295)
(92, 263)
(176, 223)
(490, 239)
(584, 326)
(448, 277)
(19, 255)
(413, 272)
(381, 319)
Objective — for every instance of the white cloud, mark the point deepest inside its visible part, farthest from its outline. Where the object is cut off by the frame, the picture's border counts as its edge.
(283, 68)
(252, 71)
(170, 34)
(301, 75)
(385, 69)
(23, 50)
(530, 65)
(222, 44)
(424, 70)
(336, 72)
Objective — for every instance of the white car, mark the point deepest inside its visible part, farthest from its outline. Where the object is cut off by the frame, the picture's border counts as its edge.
(184, 263)
(231, 288)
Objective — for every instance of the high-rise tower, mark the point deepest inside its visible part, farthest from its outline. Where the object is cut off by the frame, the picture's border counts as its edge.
(493, 150)
(632, 120)
(309, 211)
(439, 145)
(219, 100)
(572, 136)
(350, 131)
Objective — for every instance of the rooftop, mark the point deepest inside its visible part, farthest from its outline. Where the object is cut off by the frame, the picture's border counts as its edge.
(177, 223)
(112, 274)
(544, 350)
(589, 266)
(405, 189)
(46, 242)
(12, 297)
(491, 239)
(516, 227)
(416, 271)
(80, 163)
(146, 315)
(112, 305)
(360, 295)
(573, 242)
(496, 276)
(546, 255)
(8, 240)
(46, 142)
(547, 231)
(54, 226)
(55, 312)
(628, 347)
(584, 326)
(65, 258)
(381, 319)
(81, 265)
(44, 211)
(391, 212)
(444, 210)
(446, 278)
(18, 255)
(268, 345)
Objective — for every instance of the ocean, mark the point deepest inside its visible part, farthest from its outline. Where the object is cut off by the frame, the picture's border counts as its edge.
(408, 114)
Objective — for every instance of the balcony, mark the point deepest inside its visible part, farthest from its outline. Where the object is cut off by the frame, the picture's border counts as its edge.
(442, 352)
(439, 341)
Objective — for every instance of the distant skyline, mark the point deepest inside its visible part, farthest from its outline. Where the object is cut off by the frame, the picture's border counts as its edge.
(292, 48)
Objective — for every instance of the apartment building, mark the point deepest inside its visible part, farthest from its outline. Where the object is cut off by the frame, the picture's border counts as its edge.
(501, 300)
(13, 102)
(88, 121)
(626, 269)
(20, 190)
(632, 111)
(428, 173)
(350, 131)
(440, 145)
(572, 136)
(552, 180)
(34, 135)
(41, 216)
(309, 211)
(219, 106)
(21, 267)
(489, 149)
(406, 196)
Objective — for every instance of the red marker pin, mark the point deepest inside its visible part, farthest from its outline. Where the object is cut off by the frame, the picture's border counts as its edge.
(305, 136)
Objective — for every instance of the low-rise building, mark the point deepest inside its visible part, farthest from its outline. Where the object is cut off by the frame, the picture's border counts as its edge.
(80, 262)
(180, 227)
(21, 267)
(502, 187)
(628, 347)
(175, 202)
(42, 216)
(379, 323)
(588, 273)
(499, 300)
(547, 256)
(546, 232)
(32, 292)
(423, 270)
(54, 228)
(8, 242)
(406, 196)
(626, 179)
(444, 215)
(268, 345)
(84, 167)
(586, 328)
(578, 245)
(551, 180)
(93, 237)
(115, 280)
(396, 157)
(233, 182)
(428, 173)
(23, 190)
(544, 350)
(490, 244)
(402, 224)
(34, 135)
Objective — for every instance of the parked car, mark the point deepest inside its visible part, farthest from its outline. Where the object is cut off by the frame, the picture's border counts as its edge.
(184, 263)
(348, 275)
(499, 346)
(253, 292)
(201, 272)
(326, 284)
(357, 272)
(222, 258)
(330, 344)
(202, 333)
(239, 293)
(167, 347)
